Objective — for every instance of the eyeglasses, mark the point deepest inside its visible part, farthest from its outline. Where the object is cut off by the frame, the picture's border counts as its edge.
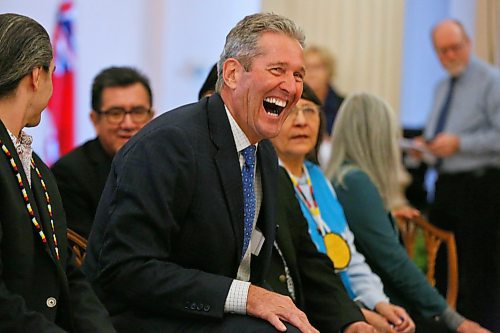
(308, 111)
(139, 114)
(453, 47)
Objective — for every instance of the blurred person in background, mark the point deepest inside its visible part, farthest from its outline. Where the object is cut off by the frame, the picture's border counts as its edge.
(208, 86)
(321, 70)
(121, 105)
(463, 132)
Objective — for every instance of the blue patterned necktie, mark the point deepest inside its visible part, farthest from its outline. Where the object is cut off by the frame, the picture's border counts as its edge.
(247, 175)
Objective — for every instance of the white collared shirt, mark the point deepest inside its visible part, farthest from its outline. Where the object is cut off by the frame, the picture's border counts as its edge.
(236, 300)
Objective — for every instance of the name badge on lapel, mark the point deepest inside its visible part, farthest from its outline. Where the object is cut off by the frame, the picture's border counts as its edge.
(257, 242)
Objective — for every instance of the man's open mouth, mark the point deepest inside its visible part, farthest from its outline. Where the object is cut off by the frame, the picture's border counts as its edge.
(274, 106)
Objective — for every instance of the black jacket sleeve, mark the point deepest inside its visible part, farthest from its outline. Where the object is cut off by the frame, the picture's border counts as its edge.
(89, 315)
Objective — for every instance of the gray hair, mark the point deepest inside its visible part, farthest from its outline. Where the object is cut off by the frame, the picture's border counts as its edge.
(25, 45)
(366, 135)
(242, 40)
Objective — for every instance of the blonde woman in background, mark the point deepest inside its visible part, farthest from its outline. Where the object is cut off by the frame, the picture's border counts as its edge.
(321, 69)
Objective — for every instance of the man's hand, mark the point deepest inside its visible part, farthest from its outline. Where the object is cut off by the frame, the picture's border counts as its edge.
(380, 323)
(275, 308)
(469, 326)
(360, 327)
(397, 316)
(444, 145)
(419, 142)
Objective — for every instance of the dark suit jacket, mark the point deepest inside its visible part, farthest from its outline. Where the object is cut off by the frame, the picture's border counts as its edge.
(318, 289)
(30, 276)
(168, 233)
(331, 107)
(81, 175)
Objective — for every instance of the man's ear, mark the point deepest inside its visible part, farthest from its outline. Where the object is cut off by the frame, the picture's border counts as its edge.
(94, 117)
(231, 72)
(35, 77)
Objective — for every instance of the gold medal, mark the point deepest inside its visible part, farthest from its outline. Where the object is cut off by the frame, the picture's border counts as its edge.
(338, 250)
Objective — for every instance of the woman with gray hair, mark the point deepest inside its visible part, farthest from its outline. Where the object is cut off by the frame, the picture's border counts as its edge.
(41, 290)
(364, 168)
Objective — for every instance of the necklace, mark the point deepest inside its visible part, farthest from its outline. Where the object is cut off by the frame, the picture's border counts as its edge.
(311, 205)
(38, 228)
(336, 246)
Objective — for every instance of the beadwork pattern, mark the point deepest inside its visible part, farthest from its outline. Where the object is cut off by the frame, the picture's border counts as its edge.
(31, 213)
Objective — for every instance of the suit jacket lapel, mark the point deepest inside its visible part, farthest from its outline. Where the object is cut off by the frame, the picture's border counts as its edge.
(226, 160)
(268, 165)
(44, 218)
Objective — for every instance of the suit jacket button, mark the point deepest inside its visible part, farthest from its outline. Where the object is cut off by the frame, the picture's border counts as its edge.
(51, 302)
(282, 278)
(206, 308)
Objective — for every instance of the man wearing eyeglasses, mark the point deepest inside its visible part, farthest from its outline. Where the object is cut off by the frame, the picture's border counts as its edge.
(463, 132)
(121, 106)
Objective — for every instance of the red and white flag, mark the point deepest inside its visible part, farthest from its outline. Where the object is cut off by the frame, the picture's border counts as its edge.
(62, 104)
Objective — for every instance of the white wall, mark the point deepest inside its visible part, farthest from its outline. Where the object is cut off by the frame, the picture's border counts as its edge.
(195, 32)
(173, 42)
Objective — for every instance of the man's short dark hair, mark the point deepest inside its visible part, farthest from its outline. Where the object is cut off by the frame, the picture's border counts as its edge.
(209, 84)
(308, 94)
(117, 77)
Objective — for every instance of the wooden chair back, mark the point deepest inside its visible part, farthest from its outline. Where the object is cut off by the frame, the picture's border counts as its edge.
(433, 237)
(78, 245)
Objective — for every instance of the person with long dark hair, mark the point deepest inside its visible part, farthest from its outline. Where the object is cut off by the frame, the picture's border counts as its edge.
(41, 290)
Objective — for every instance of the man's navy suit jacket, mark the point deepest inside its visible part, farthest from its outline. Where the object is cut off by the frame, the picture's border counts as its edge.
(168, 233)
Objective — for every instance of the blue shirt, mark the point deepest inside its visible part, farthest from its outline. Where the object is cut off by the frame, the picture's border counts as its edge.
(474, 116)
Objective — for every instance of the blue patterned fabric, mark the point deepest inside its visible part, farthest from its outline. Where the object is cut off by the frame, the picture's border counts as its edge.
(247, 175)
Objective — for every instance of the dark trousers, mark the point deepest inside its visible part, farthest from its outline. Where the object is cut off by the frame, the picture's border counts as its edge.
(468, 204)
